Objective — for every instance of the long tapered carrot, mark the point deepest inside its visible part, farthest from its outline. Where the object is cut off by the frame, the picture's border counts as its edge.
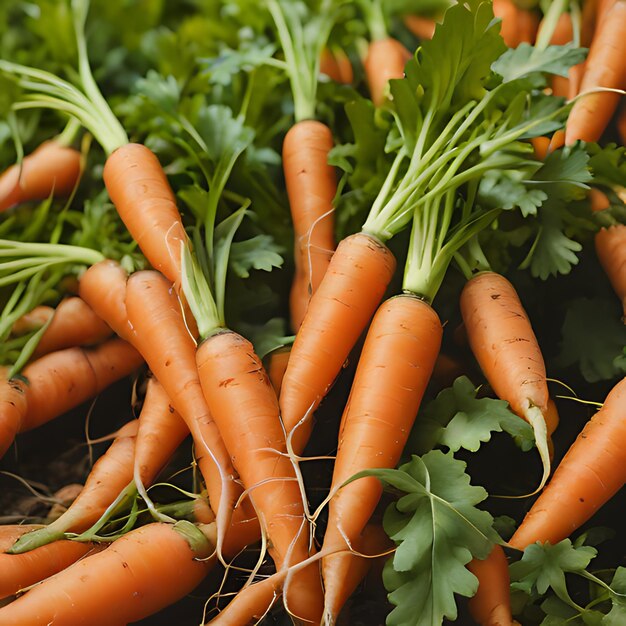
(244, 405)
(73, 324)
(385, 60)
(505, 346)
(62, 380)
(591, 472)
(13, 408)
(352, 288)
(20, 571)
(139, 574)
(311, 187)
(111, 473)
(51, 168)
(395, 366)
(611, 250)
(604, 67)
(491, 605)
(144, 200)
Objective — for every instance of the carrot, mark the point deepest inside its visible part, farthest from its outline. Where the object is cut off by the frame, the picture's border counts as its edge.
(336, 65)
(139, 574)
(621, 124)
(540, 146)
(394, 369)
(491, 605)
(557, 141)
(52, 168)
(144, 200)
(505, 346)
(311, 187)
(277, 365)
(605, 67)
(244, 406)
(20, 571)
(13, 408)
(599, 200)
(111, 473)
(74, 324)
(422, 27)
(591, 472)
(62, 380)
(562, 34)
(353, 285)
(385, 60)
(508, 12)
(527, 24)
(33, 320)
(611, 250)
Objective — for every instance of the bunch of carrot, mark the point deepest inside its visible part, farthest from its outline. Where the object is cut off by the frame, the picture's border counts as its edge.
(117, 554)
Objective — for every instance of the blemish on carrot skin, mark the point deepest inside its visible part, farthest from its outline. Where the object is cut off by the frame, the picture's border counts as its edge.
(581, 499)
(495, 296)
(226, 382)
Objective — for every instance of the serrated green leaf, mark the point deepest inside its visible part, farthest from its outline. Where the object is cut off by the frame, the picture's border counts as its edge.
(258, 253)
(617, 614)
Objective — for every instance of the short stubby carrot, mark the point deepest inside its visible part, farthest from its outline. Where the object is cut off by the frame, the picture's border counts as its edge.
(604, 67)
(13, 408)
(50, 169)
(385, 60)
(62, 380)
(138, 575)
(142, 195)
(591, 472)
(505, 346)
(338, 313)
(244, 405)
(491, 605)
(74, 323)
(394, 369)
(611, 250)
(311, 186)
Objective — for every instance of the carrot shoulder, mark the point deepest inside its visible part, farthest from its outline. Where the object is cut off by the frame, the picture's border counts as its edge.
(13, 408)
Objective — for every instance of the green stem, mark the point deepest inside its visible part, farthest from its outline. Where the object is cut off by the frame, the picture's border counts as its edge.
(69, 133)
(375, 19)
(548, 24)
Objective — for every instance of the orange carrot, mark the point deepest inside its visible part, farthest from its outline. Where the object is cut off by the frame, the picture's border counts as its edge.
(62, 380)
(491, 605)
(33, 320)
(527, 24)
(394, 369)
(599, 200)
(563, 34)
(74, 324)
(50, 169)
(139, 574)
(244, 406)
(111, 473)
(277, 365)
(611, 250)
(311, 187)
(13, 408)
(505, 346)
(385, 60)
(336, 65)
(557, 141)
(422, 27)
(591, 472)
(20, 571)
(144, 200)
(621, 124)
(353, 285)
(604, 67)
(540, 146)
(508, 12)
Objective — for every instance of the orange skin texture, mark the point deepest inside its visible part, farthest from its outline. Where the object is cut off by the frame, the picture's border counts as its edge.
(51, 168)
(74, 324)
(33, 320)
(244, 405)
(136, 576)
(337, 66)
(13, 408)
(395, 367)
(540, 146)
(591, 472)
(611, 250)
(353, 286)
(385, 60)
(563, 34)
(311, 187)
(422, 27)
(503, 342)
(518, 25)
(276, 366)
(62, 380)
(557, 141)
(142, 195)
(491, 606)
(605, 67)
(598, 200)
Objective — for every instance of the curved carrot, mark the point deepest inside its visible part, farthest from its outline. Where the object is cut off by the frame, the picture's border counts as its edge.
(62, 380)
(385, 60)
(352, 288)
(311, 187)
(395, 366)
(422, 27)
(244, 406)
(505, 346)
(144, 200)
(139, 574)
(73, 324)
(33, 320)
(277, 365)
(491, 605)
(51, 168)
(108, 477)
(611, 250)
(604, 67)
(591, 472)
(13, 408)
